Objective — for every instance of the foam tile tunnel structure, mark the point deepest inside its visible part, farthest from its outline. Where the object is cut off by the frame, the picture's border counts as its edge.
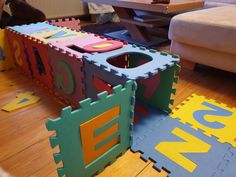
(78, 67)
(102, 78)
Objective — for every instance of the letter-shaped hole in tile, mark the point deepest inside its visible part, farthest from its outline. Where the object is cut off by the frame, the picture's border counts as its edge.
(76, 48)
(129, 60)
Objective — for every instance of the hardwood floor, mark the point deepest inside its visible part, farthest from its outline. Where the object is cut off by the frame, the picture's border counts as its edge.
(24, 145)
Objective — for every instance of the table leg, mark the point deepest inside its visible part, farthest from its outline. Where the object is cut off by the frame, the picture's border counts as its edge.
(136, 32)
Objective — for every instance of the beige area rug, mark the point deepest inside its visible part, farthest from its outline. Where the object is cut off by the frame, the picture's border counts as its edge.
(4, 173)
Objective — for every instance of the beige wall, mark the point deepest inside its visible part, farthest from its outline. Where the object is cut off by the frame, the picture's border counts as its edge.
(60, 8)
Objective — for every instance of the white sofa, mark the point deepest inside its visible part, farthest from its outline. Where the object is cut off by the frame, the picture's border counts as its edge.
(206, 36)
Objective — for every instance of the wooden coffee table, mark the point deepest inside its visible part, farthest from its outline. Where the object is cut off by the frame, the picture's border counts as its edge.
(136, 25)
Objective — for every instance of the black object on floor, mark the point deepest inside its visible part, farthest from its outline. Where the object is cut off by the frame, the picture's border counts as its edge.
(101, 29)
(125, 36)
(105, 29)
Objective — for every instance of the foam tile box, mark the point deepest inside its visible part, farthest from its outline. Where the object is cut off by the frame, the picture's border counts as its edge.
(17, 35)
(36, 38)
(143, 65)
(66, 61)
(37, 50)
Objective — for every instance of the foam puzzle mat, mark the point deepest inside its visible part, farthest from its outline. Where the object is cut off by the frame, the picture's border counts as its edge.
(182, 146)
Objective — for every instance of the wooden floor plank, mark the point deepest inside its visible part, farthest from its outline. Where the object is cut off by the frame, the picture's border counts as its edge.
(31, 160)
(128, 165)
(17, 139)
(149, 171)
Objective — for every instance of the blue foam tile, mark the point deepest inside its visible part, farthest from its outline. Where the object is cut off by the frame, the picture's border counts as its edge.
(159, 127)
(34, 28)
(158, 62)
(229, 169)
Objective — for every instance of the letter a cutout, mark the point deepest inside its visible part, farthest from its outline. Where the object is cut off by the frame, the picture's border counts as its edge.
(22, 100)
(61, 34)
(174, 150)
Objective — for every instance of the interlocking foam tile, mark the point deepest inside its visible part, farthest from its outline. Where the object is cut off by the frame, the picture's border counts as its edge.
(34, 28)
(17, 46)
(215, 119)
(93, 136)
(67, 74)
(157, 62)
(227, 167)
(176, 147)
(6, 58)
(159, 87)
(76, 46)
(61, 34)
(104, 46)
(71, 23)
(39, 59)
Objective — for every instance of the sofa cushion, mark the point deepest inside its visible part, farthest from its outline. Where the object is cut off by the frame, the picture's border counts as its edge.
(218, 3)
(216, 59)
(213, 28)
(222, 1)
(215, 4)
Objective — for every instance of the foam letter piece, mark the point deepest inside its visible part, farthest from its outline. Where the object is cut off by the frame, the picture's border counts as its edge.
(6, 58)
(217, 111)
(213, 118)
(94, 135)
(17, 46)
(76, 46)
(68, 23)
(61, 34)
(40, 63)
(104, 46)
(67, 74)
(34, 28)
(22, 100)
(191, 144)
(96, 145)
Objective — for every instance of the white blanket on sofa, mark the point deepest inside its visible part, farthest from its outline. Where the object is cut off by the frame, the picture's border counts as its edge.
(99, 8)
